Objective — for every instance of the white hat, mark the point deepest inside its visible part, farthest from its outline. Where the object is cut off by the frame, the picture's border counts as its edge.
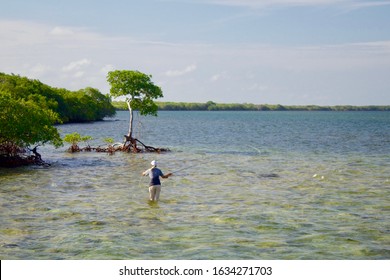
(154, 163)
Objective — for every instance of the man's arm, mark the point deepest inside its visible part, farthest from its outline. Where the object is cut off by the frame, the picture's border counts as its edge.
(167, 175)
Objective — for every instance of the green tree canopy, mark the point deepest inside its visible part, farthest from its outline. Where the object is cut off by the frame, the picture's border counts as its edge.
(72, 106)
(24, 123)
(138, 89)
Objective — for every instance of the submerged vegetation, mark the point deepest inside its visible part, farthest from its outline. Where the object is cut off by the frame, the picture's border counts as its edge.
(212, 106)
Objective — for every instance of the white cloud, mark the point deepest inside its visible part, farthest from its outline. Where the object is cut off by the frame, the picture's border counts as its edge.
(175, 73)
(218, 76)
(78, 74)
(16, 33)
(61, 31)
(257, 87)
(215, 77)
(286, 3)
(229, 73)
(268, 3)
(39, 70)
(368, 4)
(107, 68)
(76, 65)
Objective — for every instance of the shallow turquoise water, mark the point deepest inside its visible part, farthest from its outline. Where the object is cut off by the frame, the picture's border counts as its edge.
(263, 185)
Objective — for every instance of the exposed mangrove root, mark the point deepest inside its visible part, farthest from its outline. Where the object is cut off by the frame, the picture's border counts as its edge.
(16, 161)
(130, 145)
(19, 157)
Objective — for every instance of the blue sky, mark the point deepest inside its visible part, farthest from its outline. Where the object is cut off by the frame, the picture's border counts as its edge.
(290, 52)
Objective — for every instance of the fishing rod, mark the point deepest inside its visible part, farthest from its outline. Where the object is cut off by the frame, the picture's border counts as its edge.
(190, 166)
(187, 167)
(257, 149)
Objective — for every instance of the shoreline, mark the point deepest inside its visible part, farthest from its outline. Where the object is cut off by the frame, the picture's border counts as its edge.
(212, 106)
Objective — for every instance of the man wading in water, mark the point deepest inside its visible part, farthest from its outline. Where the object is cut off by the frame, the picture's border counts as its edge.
(155, 184)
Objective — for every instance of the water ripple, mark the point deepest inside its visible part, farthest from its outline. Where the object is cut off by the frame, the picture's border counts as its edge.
(272, 197)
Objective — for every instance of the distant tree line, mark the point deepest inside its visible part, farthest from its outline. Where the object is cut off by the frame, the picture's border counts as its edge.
(212, 106)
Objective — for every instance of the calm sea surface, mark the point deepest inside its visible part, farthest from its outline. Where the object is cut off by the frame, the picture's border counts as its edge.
(255, 185)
